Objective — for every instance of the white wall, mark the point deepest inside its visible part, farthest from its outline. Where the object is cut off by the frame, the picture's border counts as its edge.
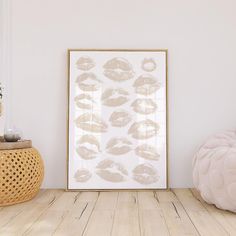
(201, 39)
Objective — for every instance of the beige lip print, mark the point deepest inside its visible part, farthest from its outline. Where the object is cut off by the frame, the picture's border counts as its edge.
(143, 129)
(88, 82)
(111, 171)
(146, 84)
(114, 97)
(145, 174)
(82, 175)
(147, 152)
(84, 101)
(88, 147)
(91, 122)
(85, 63)
(148, 64)
(118, 146)
(144, 106)
(120, 118)
(118, 69)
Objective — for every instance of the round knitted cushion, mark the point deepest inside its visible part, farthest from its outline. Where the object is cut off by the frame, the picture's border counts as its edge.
(214, 170)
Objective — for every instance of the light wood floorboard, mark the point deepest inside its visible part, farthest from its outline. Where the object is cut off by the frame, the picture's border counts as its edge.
(225, 218)
(199, 216)
(177, 219)
(152, 221)
(117, 213)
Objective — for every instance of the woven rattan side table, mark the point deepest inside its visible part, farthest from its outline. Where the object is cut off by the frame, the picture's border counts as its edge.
(21, 172)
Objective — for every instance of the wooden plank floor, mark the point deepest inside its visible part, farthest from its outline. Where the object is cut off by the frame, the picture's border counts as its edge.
(124, 213)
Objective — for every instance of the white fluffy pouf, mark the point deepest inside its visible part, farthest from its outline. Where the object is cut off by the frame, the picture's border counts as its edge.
(214, 170)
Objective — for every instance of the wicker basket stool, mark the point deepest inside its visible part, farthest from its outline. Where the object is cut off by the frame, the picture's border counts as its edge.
(21, 175)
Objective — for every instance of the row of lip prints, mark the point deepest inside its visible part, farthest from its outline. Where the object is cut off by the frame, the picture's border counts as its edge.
(140, 130)
(117, 68)
(144, 106)
(145, 85)
(88, 147)
(115, 172)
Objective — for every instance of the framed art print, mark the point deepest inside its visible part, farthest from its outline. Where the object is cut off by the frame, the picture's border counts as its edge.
(117, 121)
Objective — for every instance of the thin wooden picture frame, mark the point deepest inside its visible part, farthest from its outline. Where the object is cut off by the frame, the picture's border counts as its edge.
(88, 51)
